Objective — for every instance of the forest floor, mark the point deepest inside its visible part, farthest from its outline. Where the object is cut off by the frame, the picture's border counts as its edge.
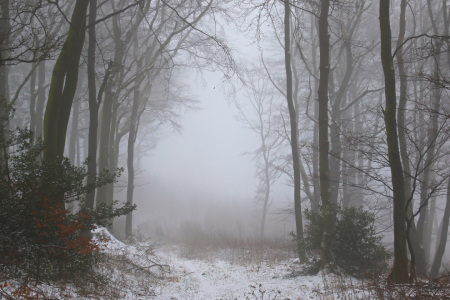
(179, 271)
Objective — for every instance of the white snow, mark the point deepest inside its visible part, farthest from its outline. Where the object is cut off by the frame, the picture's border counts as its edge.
(165, 271)
(219, 279)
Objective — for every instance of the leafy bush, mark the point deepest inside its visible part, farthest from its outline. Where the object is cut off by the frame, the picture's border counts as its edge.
(356, 248)
(40, 239)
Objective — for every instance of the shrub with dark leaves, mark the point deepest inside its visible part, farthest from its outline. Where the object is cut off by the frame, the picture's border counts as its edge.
(356, 249)
(40, 238)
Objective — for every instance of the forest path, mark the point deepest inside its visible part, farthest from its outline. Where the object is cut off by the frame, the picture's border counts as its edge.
(218, 279)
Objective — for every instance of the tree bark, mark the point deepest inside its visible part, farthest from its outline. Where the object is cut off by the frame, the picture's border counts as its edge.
(103, 156)
(131, 141)
(74, 132)
(93, 105)
(399, 272)
(324, 169)
(32, 105)
(424, 217)
(294, 131)
(443, 237)
(401, 124)
(40, 103)
(63, 85)
(4, 90)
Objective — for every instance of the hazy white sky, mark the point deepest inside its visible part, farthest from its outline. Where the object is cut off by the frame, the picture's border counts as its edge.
(209, 153)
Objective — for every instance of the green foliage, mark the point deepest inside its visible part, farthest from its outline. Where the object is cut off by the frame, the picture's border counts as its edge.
(356, 248)
(40, 239)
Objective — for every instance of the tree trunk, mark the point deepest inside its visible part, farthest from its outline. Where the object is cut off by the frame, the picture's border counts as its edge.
(401, 124)
(40, 103)
(63, 85)
(4, 90)
(324, 170)
(399, 272)
(422, 223)
(443, 238)
(445, 219)
(33, 100)
(93, 106)
(74, 132)
(131, 142)
(294, 131)
(103, 155)
(315, 159)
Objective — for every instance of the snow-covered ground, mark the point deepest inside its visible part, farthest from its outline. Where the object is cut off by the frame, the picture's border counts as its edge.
(173, 272)
(217, 276)
(219, 279)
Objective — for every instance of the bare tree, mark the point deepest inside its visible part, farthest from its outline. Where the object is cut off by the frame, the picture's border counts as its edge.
(262, 105)
(399, 271)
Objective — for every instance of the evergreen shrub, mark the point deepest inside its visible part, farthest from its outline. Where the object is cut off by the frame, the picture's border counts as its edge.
(40, 238)
(356, 249)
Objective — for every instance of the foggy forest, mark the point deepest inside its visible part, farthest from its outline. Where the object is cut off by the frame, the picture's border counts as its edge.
(221, 149)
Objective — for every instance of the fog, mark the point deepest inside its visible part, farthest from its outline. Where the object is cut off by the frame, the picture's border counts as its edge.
(204, 174)
(314, 135)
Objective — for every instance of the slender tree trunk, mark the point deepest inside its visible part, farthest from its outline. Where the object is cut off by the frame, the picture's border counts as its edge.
(429, 229)
(40, 103)
(401, 116)
(335, 127)
(113, 149)
(424, 217)
(294, 131)
(324, 170)
(358, 178)
(131, 142)
(399, 273)
(440, 249)
(266, 184)
(74, 132)
(33, 100)
(4, 90)
(130, 162)
(93, 105)
(443, 237)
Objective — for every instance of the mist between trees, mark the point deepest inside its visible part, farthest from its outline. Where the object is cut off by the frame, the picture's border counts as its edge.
(348, 100)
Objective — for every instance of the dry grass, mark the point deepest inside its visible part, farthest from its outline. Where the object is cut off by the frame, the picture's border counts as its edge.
(241, 251)
(345, 288)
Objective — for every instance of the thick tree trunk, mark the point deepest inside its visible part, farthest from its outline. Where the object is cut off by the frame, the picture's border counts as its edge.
(63, 85)
(103, 155)
(324, 170)
(399, 273)
(294, 131)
